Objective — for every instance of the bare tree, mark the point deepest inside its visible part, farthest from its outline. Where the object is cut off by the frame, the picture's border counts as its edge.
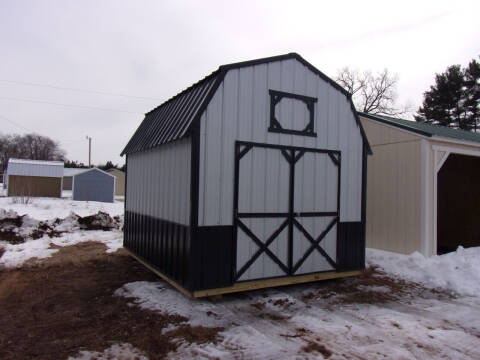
(372, 93)
(29, 146)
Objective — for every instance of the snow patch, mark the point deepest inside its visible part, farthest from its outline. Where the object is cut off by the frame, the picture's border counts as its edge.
(117, 351)
(50, 208)
(458, 271)
(17, 255)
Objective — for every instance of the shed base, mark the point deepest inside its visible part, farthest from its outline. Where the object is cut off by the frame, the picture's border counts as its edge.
(250, 285)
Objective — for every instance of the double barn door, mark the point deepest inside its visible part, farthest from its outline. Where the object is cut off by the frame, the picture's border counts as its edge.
(286, 210)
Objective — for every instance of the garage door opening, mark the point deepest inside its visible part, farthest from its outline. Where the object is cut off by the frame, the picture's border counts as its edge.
(458, 203)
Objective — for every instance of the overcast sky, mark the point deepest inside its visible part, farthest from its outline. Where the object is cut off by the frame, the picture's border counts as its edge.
(155, 49)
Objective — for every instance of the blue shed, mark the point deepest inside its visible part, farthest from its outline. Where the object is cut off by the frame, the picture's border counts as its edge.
(93, 185)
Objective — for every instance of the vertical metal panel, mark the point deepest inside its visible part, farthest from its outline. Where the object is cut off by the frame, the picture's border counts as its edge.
(394, 189)
(93, 185)
(159, 182)
(240, 111)
(291, 237)
(162, 244)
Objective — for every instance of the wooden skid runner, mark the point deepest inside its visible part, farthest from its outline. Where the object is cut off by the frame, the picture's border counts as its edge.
(250, 285)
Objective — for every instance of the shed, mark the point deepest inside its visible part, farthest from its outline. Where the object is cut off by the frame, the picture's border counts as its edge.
(119, 181)
(253, 177)
(93, 184)
(68, 174)
(36, 178)
(423, 189)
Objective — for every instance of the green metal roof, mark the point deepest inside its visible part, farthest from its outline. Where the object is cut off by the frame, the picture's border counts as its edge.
(424, 129)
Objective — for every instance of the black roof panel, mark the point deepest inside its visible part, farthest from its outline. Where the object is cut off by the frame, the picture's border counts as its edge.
(173, 119)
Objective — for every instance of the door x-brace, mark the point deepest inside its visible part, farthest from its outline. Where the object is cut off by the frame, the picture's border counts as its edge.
(291, 155)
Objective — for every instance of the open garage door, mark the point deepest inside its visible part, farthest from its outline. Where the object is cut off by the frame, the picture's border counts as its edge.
(458, 206)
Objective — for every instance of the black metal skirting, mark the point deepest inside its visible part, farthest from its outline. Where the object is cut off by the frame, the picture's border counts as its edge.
(204, 263)
(212, 253)
(163, 244)
(207, 261)
(351, 246)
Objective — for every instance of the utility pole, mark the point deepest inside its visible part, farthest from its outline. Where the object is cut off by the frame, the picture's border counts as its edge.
(89, 150)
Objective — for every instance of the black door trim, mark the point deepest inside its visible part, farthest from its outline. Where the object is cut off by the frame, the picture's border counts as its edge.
(291, 154)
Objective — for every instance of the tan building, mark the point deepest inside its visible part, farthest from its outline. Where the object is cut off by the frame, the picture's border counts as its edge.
(68, 174)
(34, 178)
(119, 181)
(423, 190)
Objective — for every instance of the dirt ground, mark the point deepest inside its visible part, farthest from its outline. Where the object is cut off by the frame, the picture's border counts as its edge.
(55, 308)
(61, 305)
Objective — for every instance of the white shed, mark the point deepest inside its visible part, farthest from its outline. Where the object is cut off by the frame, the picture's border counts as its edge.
(252, 177)
(423, 186)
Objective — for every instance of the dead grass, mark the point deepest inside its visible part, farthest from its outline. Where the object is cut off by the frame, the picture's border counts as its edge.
(65, 304)
(372, 287)
(313, 346)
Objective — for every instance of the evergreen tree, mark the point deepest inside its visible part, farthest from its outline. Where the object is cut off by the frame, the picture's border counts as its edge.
(108, 165)
(472, 93)
(454, 100)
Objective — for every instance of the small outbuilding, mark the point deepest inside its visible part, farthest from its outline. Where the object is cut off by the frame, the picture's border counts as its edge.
(253, 177)
(35, 178)
(93, 184)
(68, 174)
(423, 188)
(119, 181)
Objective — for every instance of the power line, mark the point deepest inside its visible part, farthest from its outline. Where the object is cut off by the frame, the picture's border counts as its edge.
(78, 90)
(69, 105)
(15, 124)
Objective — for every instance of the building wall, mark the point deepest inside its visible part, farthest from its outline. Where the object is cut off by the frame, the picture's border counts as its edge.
(240, 111)
(158, 182)
(36, 186)
(394, 189)
(67, 182)
(93, 185)
(119, 181)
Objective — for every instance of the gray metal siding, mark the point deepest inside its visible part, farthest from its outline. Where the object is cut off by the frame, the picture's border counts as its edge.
(93, 185)
(42, 168)
(240, 111)
(159, 182)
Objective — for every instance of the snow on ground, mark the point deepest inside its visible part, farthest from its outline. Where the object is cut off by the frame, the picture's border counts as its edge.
(290, 322)
(116, 351)
(383, 318)
(50, 208)
(17, 255)
(458, 271)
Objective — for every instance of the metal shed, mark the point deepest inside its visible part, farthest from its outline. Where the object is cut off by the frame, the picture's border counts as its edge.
(253, 177)
(119, 181)
(423, 192)
(93, 185)
(68, 174)
(36, 178)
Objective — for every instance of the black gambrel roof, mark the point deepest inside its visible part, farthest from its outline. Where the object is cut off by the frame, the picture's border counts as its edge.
(173, 119)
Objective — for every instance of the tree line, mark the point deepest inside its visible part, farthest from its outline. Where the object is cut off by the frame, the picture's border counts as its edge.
(453, 101)
(28, 146)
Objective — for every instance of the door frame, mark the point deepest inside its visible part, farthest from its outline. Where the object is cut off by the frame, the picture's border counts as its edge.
(291, 154)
